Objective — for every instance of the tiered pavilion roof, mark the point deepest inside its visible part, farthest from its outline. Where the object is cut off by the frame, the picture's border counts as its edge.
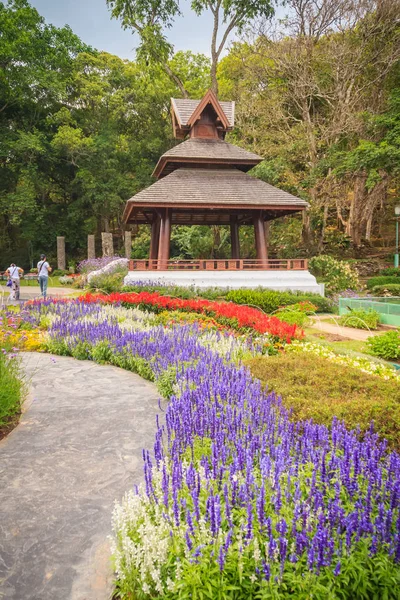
(204, 180)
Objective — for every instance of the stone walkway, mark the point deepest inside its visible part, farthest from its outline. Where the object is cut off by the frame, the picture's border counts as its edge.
(77, 448)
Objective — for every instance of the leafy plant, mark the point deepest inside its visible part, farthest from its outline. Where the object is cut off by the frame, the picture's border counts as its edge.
(390, 289)
(336, 274)
(108, 283)
(314, 388)
(385, 346)
(270, 300)
(390, 272)
(360, 319)
(382, 280)
(11, 389)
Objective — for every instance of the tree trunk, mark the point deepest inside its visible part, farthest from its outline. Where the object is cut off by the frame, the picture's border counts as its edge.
(306, 229)
(216, 241)
(324, 221)
(175, 79)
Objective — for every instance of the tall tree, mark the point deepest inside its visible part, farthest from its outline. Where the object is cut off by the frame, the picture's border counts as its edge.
(302, 92)
(151, 18)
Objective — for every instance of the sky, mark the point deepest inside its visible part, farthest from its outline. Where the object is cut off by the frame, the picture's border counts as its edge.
(91, 21)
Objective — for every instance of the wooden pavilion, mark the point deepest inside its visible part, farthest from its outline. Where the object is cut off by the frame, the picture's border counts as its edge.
(204, 181)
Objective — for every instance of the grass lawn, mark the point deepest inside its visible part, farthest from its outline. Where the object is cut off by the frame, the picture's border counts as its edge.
(314, 388)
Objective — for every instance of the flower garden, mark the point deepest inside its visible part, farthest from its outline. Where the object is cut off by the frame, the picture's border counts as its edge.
(240, 499)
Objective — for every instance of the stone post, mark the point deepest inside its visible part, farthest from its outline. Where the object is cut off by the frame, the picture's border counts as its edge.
(107, 244)
(128, 244)
(61, 253)
(91, 246)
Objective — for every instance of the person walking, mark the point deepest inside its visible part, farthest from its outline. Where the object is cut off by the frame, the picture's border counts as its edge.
(13, 273)
(44, 269)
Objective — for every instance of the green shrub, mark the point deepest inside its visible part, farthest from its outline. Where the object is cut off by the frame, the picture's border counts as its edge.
(270, 300)
(391, 289)
(336, 274)
(390, 271)
(58, 273)
(385, 346)
(360, 319)
(314, 388)
(108, 283)
(293, 317)
(11, 390)
(382, 280)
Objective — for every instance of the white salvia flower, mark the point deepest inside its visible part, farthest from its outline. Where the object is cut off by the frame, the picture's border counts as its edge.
(256, 551)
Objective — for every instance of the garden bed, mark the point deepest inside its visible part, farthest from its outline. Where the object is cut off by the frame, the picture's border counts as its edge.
(239, 501)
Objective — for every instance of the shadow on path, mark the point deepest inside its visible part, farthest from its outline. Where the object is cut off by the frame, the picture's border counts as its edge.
(78, 448)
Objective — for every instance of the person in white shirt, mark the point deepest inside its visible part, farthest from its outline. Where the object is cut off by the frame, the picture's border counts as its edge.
(13, 273)
(44, 269)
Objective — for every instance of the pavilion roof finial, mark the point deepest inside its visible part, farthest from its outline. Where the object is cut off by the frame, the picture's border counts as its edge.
(187, 114)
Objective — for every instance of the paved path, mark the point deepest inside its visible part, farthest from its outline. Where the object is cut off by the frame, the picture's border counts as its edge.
(329, 326)
(29, 292)
(77, 448)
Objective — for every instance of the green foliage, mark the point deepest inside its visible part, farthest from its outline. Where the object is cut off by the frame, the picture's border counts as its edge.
(270, 301)
(73, 164)
(166, 381)
(314, 388)
(293, 317)
(390, 289)
(381, 281)
(11, 389)
(107, 283)
(101, 353)
(360, 319)
(336, 274)
(385, 346)
(390, 272)
(296, 314)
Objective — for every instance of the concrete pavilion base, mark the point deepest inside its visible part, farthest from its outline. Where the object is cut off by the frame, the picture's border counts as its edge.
(292, 280)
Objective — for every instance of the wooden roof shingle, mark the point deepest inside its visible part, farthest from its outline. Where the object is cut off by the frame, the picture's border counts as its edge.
(201, 150)
(214, 187)
(184, 108)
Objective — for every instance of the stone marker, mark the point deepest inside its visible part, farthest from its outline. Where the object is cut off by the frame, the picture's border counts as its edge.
(107, 244)
(61, 253)
(91, 247)
(128, 244)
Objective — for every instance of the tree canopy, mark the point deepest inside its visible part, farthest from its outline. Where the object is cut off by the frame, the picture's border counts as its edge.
(317, 95)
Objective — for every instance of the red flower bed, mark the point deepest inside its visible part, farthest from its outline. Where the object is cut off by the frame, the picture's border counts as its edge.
(227, 313)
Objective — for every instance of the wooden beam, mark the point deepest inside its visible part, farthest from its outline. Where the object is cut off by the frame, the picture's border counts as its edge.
(155, 237)
(235, 243)
(165, 238)
(259, 234)
(209, 98)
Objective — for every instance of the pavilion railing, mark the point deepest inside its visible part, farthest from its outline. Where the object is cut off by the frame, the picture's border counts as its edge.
(225, 264)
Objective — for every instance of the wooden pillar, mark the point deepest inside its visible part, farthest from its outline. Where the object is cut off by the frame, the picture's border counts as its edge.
(165, 237)
(259, 234)
(107, 244)
(235, 244)
(155, 238)
(128, 243)
(61, 253)
(266, 233)
(91, 246)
